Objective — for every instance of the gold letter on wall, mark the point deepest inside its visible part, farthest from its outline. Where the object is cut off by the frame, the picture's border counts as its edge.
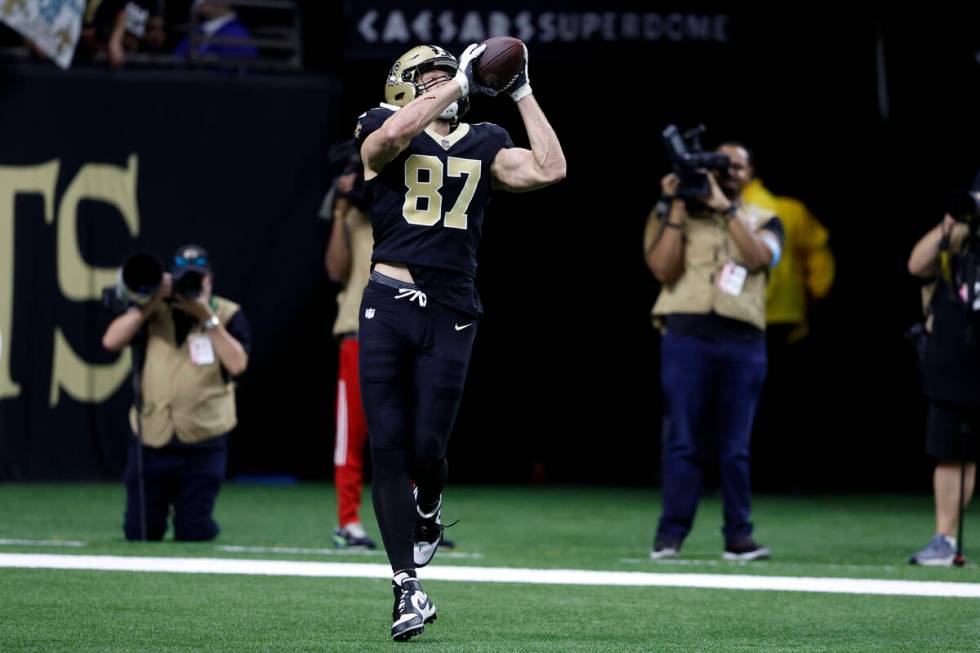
(81, 380)
(80, 281)
(16, 180)
(101, 183)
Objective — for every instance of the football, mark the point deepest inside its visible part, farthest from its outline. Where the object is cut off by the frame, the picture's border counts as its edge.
(500, 63)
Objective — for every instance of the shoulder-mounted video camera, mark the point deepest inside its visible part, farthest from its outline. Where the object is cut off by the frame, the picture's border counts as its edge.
(691, 162)
(964, 206)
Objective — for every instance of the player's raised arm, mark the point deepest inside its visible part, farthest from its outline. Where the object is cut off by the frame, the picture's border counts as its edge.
(517, 169)
(434, 92)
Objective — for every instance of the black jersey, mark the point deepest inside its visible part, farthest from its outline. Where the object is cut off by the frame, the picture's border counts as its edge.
(428, 204)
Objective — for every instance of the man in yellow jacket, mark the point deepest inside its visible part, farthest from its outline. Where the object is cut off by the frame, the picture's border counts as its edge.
(806, 271)
(804, 275)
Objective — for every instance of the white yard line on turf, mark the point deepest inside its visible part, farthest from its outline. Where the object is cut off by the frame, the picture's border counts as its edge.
(10, 542)
(494, 575)
(757, 564)
(460, 555)
(675, 562)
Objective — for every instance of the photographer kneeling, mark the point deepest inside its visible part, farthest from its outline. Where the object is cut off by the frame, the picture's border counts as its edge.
(949, 256)
(194, 343)
(712, 252)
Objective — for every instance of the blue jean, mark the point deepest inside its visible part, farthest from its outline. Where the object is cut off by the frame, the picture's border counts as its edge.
(712, 388)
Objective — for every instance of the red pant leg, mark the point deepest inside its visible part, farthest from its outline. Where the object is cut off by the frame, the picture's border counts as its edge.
(351, 439)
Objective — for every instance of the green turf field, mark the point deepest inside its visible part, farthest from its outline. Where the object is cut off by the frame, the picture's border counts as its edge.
(579, 528)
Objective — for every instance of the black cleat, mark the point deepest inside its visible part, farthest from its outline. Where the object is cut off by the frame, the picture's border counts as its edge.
(428, 534)
(413, 608)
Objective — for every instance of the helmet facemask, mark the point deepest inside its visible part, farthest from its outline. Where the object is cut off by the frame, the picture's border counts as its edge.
(404, 80)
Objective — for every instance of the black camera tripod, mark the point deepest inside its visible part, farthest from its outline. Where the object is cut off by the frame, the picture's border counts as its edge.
(138, 348)
(958, 559)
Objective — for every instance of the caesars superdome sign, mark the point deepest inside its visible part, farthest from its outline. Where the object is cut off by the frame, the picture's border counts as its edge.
(379, 29)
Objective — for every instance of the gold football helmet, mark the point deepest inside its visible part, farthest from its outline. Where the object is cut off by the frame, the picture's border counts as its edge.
(404, 79)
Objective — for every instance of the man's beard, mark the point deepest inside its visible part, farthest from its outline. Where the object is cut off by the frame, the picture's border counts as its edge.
(731, 192)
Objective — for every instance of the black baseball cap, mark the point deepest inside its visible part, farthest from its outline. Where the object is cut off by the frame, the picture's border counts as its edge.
(190, 258)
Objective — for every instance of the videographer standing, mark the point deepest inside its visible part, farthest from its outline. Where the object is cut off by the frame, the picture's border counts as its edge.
(194, 344)
(949, 255)
(712, 255)
(348, 262)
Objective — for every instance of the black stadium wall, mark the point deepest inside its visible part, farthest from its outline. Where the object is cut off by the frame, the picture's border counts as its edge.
(868, 119)
(96, 165)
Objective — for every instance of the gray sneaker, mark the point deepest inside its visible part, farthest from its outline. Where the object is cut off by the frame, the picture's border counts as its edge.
(938, 553)
(745, 549)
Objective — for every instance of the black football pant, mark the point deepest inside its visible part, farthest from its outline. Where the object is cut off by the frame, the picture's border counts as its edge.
(413, 360)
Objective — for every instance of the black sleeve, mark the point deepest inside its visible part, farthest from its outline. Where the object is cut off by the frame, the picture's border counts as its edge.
(499, 138)
(775, 225)
(238, 328)
(369, 122)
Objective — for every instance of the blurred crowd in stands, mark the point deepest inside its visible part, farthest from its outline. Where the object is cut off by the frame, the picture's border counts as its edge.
(122, 33)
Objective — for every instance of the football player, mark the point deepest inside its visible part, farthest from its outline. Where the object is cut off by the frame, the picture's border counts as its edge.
(430, 178)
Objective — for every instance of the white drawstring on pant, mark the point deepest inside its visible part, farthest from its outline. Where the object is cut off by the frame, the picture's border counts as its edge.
(412, 295)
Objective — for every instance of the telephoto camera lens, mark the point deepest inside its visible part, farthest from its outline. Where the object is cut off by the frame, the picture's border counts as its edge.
(189, 284)
(139, 278)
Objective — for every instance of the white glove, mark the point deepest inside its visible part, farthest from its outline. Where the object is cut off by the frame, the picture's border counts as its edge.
(464, 74)
(521, 87)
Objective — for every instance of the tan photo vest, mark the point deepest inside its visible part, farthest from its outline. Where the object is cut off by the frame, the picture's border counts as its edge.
(179, 397)
(708, 246)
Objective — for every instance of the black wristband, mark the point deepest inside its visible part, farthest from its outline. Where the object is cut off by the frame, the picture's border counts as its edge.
(730, 211)
(673, 225)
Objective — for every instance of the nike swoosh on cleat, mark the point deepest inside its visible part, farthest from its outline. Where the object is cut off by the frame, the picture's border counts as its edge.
(460, 328)
(406, 618)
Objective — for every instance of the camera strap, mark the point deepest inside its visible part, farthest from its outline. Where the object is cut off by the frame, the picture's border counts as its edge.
(945, 264)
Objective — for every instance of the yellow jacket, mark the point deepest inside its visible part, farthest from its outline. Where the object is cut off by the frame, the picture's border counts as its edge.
(806, 269)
